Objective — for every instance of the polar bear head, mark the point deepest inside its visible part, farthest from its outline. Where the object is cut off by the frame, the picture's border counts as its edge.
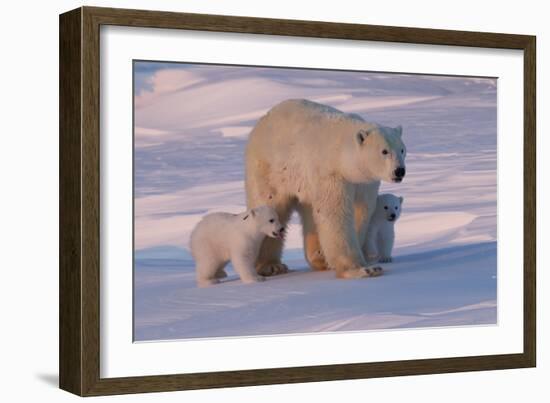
(379, 154)
(388, 207)
(264, 220)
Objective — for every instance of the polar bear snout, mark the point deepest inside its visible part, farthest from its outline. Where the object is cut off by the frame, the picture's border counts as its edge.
(399, 174)
(279, 234)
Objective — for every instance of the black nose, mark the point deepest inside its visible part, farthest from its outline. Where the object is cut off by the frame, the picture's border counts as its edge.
(400, 172)
(282, 229)
(392, 215)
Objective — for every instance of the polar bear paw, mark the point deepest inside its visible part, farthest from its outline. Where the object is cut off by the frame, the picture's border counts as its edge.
(371, 271)
(253, 279)
(362, 272)
(207, 282)
(272, 269)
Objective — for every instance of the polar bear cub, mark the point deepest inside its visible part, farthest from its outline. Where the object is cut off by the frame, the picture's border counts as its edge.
(222, 237)
(381, 232)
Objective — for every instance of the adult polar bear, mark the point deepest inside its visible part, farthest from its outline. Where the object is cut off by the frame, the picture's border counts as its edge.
(327, 165)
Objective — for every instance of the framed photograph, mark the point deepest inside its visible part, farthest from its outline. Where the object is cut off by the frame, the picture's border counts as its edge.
(249, 201)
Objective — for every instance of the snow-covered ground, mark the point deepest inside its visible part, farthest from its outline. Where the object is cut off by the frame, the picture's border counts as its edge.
(191, 126)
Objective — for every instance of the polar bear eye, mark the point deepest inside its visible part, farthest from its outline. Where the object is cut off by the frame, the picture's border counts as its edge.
(402, 151)
(384, 152)
(272, 220)
(396, 208)
(385, 207)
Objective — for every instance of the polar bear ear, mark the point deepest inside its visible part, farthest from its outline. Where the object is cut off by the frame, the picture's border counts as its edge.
(361, 136)
(399, 130)
(401, 200)
(251, 213)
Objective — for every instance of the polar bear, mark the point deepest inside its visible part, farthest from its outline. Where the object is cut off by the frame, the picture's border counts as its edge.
(381, 233)
(327, 165)
(222, 237)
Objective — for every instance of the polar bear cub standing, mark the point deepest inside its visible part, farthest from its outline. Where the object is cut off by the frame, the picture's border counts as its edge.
(381, 232)
(222, 237)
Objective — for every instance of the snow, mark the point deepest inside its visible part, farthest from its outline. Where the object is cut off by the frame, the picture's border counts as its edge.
(235, 131)
(192, 123)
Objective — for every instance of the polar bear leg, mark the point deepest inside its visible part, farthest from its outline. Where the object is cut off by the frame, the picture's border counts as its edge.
(361, 217)
(259, 192)
(312, 246)
(385, 244)
(371, 244)
(337, 234)
(269, 259)
(207, 270)
(244, 266)
(365, 205)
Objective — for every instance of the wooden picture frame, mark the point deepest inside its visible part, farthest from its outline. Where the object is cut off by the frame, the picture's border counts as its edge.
(79, 317)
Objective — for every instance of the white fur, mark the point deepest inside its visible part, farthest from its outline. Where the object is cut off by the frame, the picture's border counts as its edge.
(222, 237)
(381, 231)
(327, 165)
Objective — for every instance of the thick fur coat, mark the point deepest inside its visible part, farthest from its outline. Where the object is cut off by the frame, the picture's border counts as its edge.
(222, 237)
(327, 165)
(381, 231)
